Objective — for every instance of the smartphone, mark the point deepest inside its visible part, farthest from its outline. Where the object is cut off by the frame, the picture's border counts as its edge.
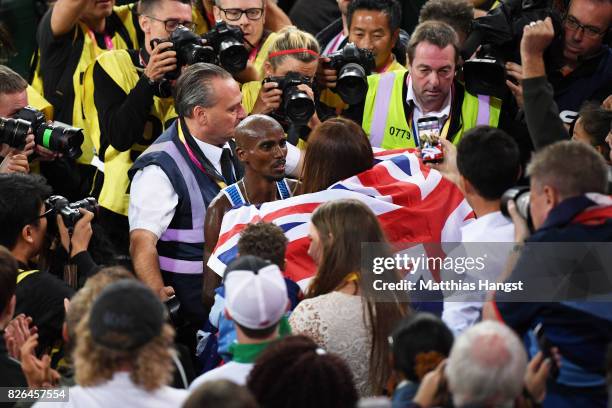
(546, 348)
(429, 140)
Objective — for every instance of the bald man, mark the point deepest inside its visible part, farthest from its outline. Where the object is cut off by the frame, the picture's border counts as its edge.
(261, 146)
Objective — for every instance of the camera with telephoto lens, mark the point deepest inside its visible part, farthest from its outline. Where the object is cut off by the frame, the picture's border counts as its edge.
(13, 132)
(228, 43)
(70, 211)
(498, 34)
(189, 50)
(55, 136)
(520, 195)
(296, 106)
(353, 66)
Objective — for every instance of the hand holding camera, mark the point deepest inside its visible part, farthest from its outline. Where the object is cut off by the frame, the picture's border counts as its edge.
(326, 76)
(352, 66)
(161, 61)
(15, 163)
(269, 98)
(81, 235)
(56, 137)
(296, 103)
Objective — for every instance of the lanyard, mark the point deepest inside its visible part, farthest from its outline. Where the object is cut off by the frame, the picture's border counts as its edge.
(192, 155)
(108, 42)
(387, 65)
(337, 40)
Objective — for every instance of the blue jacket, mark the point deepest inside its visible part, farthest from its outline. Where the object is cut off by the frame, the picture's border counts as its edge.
(580, 329)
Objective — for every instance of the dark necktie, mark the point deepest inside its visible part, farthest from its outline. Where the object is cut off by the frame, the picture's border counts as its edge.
(226, 166)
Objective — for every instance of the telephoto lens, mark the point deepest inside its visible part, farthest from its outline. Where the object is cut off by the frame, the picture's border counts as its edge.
(520, 195)
(13, 132)
(228, 42)
(296, 105)
(353, 66)
(61, 138)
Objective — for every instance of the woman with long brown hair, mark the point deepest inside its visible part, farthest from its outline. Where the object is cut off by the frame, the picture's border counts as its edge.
(337, 149)
(341, 313)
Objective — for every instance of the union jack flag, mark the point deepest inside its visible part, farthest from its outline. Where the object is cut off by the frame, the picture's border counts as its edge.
(412, 202)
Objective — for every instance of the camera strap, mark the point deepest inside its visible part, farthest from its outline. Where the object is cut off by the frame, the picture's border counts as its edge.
(70, 269)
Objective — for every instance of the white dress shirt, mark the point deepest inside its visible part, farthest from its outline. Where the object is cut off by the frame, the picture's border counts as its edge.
(490, 228)
(153, 200)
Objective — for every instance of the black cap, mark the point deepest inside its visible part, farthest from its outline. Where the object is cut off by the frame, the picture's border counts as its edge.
(126, 316)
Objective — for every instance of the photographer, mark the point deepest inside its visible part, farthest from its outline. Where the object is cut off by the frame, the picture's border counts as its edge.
(71, 35)
(373, 25)
(567, 204)
(586, 72)
(15, 94)
(250, 19)
(23, 217)
(541, 112)
(293, 51)
(128, 104)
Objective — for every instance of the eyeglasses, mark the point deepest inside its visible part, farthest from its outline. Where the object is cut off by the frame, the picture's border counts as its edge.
(234, 14)
(589, 31)
(48, 210)
(172, 24)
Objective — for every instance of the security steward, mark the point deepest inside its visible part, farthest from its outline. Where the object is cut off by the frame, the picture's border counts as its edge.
(128, 104)
(173, 183)
(70, 36)
(396, 101)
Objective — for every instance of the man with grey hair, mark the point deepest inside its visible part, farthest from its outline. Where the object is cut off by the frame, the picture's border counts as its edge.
(174, 181)
(568, 203)
(486, 366)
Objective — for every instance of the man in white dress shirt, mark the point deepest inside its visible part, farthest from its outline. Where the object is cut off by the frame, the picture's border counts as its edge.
(174, 181)
(484, 165)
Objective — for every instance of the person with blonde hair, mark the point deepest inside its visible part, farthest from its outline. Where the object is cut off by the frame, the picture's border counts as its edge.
(294, 53)
(123, 355)
(340, 312)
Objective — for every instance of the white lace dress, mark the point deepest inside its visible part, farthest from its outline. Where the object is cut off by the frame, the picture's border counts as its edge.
(335, 322)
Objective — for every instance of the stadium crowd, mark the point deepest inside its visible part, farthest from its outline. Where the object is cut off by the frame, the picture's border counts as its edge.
(191, 192)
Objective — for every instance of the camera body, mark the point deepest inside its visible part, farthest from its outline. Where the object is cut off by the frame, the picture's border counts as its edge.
(55, 136)
(70, 211)
(296, 105)
(228, 43)
(189, 50)
(499, 35)
(353, 66)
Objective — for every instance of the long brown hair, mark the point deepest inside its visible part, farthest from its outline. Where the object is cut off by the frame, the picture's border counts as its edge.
(343, 226)
(337, 149)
